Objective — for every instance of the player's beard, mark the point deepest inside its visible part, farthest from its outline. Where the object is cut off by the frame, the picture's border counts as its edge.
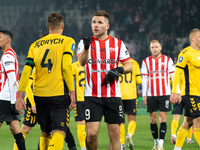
(156, 55)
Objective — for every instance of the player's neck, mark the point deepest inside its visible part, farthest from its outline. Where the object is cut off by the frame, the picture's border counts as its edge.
(156, 56)
(8, 46)
(195, 47)
(55, 32)
(102, 37)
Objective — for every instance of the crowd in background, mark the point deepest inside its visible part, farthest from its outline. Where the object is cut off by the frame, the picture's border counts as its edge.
(136, 22)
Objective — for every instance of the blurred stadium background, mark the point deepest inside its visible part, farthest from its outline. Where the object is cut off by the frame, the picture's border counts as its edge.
(136, 22)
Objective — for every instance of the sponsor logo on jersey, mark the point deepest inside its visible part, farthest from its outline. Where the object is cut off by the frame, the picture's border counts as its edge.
(101, 70)
(9, 63)
(196, 67)
(180, 59)
(100, 61)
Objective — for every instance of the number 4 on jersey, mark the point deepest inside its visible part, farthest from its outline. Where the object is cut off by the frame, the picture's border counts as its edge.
(49, 64)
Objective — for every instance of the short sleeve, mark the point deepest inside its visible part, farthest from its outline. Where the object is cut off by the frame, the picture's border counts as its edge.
(8, 63)
(80, 47)
(124, 55)
(70, 46)
(182, 59)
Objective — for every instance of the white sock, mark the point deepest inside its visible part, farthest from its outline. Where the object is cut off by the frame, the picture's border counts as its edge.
(177, 148)
(129, 134)
(84, 148)
(161, 141)
(174, 135)
(156, 141)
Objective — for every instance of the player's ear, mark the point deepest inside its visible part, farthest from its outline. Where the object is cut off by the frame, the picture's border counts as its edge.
(62, 25)
(108, 26)
(47, 26)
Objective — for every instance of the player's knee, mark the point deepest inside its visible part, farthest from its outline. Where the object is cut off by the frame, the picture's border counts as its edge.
(153, 120)
(115, 135)
(91, 136)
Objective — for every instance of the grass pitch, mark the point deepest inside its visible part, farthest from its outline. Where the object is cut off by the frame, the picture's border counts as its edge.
(142, 139)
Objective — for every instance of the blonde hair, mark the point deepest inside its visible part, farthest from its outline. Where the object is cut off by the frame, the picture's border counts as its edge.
(154, 41)
(192, 32)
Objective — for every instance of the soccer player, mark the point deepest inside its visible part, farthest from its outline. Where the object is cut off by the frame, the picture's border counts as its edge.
(30, 117)
(188, 65)
(128, 87)
(100, 55)
(79, 76)
(177, 112)
(10, 79)
(52, 57)
(156, 91)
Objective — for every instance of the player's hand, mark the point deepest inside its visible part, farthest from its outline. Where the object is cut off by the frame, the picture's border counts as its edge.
(86, 42)
(73, 101)
(175, 98)
(113, 74)
(20, 103)
(34, 109)
(14, 111)
(145, 100)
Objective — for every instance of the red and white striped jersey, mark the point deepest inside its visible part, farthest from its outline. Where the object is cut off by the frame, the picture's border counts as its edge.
(103, 56)
(9, 75)
(157, 72)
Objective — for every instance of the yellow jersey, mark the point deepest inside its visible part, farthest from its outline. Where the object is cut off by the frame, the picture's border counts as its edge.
(46, 55)
(129, 82)
(79, 74)
(189, 62)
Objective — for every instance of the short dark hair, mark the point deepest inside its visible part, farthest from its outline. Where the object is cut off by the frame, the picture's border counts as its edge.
(6, 32)
(101, 13)
(55, 20)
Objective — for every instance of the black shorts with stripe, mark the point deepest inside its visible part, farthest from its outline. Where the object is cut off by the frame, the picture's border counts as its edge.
(192, 106)
(29, 119)
(130, 106)
(161, 103)
(111, 108)
(5, 112)
(79, 111)
(53, 112)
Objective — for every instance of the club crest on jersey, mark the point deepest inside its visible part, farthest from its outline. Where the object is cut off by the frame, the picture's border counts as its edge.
(180, 59)
(112, 49)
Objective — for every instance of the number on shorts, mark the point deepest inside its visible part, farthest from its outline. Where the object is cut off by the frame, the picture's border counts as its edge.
(87, 114)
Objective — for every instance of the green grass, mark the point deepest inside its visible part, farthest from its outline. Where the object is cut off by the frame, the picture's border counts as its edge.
(142, 139)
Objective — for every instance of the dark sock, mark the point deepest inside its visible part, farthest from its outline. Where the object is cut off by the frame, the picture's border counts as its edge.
(154, 130)
(20, 141)
(163, 129)
(70, 140)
